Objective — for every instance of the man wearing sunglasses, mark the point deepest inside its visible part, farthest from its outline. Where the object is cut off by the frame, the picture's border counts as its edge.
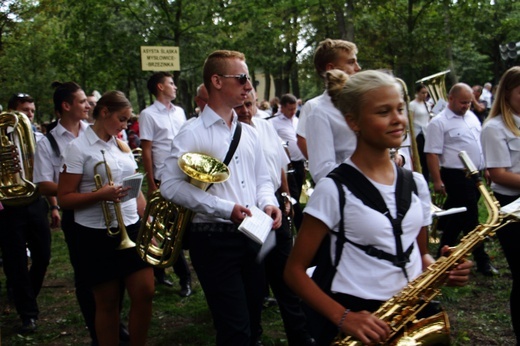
(223, 257)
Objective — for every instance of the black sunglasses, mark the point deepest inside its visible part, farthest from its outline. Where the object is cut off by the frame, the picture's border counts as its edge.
(22, 95)
(242, 78)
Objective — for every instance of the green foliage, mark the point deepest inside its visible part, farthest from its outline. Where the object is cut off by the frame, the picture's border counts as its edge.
(96, 42)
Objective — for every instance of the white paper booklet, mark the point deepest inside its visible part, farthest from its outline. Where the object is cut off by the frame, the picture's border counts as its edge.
(134, 181)
(512, 208)
(257, 226)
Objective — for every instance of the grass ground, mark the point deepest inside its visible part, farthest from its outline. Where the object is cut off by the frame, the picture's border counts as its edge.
(479, 313)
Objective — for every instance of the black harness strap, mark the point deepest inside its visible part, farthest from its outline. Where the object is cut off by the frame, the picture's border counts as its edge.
(363, 189)
(54, 144)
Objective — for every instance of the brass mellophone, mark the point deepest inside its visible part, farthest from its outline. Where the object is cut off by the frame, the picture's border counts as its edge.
(400, 312)
(17, 148)
(126, 242)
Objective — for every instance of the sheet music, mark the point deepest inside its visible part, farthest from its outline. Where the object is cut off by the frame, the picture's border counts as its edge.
(257, 226)
(134, 182)
(512, 208)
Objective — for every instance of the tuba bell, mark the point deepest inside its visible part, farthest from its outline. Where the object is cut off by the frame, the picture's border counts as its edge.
(436, 84)
(160, 236)
(17, 148)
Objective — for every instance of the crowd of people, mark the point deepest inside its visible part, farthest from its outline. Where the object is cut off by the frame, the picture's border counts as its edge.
(341, 139)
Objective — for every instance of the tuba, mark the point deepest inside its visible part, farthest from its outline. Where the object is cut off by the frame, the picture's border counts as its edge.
(400, 312)
(17, 148)
(126, 242)
(160, 236)
(436, 85)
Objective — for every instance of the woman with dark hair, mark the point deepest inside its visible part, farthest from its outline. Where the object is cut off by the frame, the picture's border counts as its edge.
(501, 146)
(420, 109)
(102, 264)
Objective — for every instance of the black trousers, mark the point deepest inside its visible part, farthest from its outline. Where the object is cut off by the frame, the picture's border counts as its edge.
(294, 320)
(509, 238)
(232, 280)
(462, 192)
(84, 294)
(180, 268)
(295, 181)
(26, 227)
(422, 156)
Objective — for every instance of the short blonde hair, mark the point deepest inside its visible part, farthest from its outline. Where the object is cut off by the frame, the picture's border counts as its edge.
(328, 51)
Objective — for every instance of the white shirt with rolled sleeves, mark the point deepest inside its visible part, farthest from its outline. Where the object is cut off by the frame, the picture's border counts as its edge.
(330, 140)
(47, 164)
(448, 133)
(248, 184)
(80, 157)
(501, 150)
(274, 153)
(160, 126)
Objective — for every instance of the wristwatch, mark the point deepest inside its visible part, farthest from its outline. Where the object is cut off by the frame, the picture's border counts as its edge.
(53, 207)
(288, 198)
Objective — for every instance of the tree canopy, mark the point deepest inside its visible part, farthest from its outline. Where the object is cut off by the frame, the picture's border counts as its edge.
(97, 42)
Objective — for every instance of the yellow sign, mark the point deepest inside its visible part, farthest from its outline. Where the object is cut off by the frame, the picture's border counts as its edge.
(158, 58)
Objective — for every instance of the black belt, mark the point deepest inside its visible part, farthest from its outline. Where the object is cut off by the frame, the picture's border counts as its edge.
(214, 227)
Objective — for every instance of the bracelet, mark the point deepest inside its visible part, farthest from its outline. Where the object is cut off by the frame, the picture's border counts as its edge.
(55, 207)
(345, 313)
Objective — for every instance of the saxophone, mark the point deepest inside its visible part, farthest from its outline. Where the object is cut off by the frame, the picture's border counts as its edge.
(400, 311)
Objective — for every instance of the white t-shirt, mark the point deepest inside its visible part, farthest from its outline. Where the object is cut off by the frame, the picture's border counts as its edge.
(501, 150)
(160, 125)
(359, 274)
(80, 157)
(421, 116)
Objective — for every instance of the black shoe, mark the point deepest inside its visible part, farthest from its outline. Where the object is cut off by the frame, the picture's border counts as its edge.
(165, 282)
(487, 269)
(185, 290)
(28, 326)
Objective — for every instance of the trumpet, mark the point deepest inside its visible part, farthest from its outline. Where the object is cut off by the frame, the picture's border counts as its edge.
(126, 242)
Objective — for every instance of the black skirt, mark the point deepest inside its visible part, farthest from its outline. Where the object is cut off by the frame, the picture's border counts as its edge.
(99, 259)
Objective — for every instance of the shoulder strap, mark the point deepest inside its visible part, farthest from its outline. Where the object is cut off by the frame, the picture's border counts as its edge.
(54, 144)
(234, 143)
(363, 189)
(232, 147)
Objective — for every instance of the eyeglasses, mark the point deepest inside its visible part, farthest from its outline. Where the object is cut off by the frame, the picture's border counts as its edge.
(242, 78)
